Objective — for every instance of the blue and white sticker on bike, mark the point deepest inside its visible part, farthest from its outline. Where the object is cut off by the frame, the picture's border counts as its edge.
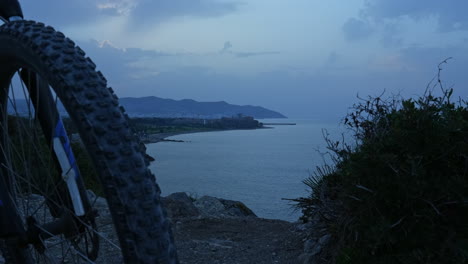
(61, 133)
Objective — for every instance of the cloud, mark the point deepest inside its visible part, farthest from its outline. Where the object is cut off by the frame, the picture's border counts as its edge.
(150, 11)
(137, 72)
(123, 65)
(355, 29)
(451, 14)
(388, 18)
(60, 12)
(391, 37)
(227, 46)
(117, 7)
(227, 49)
(142, 12)
(323, 94)
(427, 58)
(251, 54)
(127, 64)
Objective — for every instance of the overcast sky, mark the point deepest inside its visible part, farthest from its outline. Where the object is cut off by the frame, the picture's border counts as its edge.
(304, 58)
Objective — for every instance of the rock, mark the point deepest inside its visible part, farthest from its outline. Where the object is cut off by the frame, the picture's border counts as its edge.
(302, 227)
(179, 205)
(210, 206)
(313, 247)
(237, 240)
(309, 245)
(316, 249)
(180, 196)
(236, 208)
(306, 258)
(221, 208)
(96, 200)
(324, 239)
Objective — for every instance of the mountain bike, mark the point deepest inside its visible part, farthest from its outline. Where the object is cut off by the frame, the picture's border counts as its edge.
(63, 132)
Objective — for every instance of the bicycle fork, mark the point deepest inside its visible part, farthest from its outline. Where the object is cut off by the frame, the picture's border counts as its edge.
(55, 134)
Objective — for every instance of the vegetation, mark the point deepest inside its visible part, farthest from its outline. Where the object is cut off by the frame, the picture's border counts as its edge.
(31, 155)
(87, 169)
(153, 125)
(399, 194)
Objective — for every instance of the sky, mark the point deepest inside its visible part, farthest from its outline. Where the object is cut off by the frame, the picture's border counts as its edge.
(303, 58)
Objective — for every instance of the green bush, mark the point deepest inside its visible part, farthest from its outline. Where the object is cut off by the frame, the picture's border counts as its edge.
(399, 193)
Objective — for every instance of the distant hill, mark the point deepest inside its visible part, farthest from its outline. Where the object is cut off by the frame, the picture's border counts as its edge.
(159, 107)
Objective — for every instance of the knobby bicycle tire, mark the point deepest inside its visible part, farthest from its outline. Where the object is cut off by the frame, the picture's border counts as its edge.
(130, 189)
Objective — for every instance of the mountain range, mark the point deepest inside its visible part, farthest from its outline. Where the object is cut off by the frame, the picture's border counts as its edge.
(152, 106)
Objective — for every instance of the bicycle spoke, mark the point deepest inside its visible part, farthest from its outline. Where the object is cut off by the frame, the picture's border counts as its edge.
(26, 157)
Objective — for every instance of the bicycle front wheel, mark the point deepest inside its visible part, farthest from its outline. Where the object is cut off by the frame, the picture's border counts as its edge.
(49, 93)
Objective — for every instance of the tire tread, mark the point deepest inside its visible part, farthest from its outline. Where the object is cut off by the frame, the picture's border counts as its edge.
(143, 231)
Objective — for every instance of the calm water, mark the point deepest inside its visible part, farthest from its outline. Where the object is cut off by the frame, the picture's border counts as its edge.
(258, 167)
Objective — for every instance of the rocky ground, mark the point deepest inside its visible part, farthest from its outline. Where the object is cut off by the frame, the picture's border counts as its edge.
(212, 230)
(237, 240)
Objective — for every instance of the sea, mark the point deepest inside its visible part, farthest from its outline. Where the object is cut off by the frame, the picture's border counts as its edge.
(262, 168)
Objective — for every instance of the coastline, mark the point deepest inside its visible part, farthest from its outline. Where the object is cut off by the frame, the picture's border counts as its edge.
(209, 157)
(162, 137)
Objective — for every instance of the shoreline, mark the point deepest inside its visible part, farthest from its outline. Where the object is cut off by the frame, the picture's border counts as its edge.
(162, 137)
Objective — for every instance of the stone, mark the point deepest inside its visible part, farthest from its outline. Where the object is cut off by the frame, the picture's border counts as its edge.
(312, 247)
(316, 249)
(309, 245)
(180, 205)
(324, 239)
(220, 208)
(306, 258)
(236, 208)
(302, 227)
(96, 200)
(210, 206)
(180, 196)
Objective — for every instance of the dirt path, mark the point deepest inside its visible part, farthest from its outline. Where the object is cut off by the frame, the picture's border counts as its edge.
(237, 240)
